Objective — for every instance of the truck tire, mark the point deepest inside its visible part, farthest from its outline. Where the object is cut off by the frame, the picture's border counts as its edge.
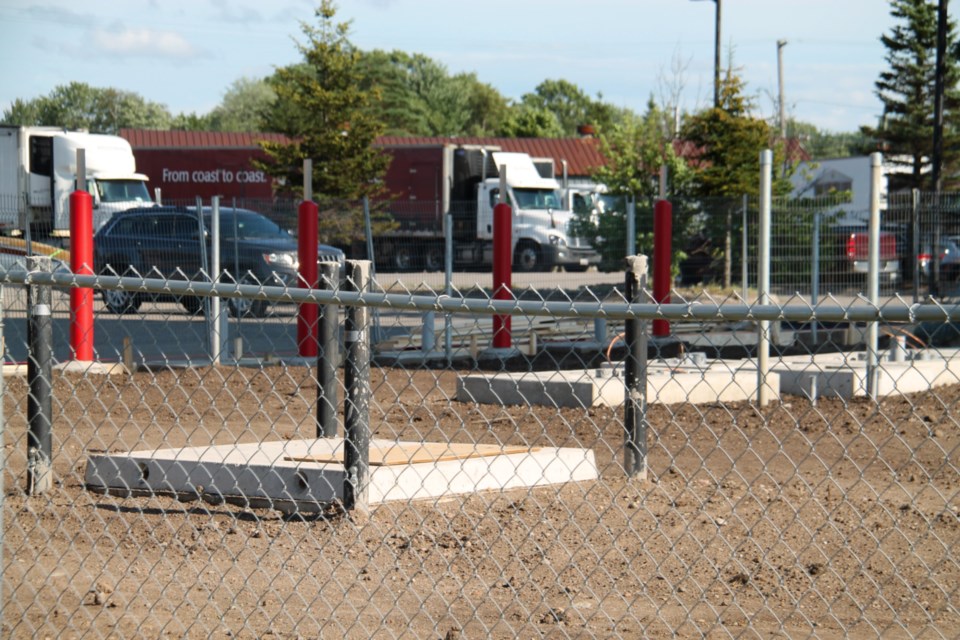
(527, 257)
(402, 258)
(434, 259)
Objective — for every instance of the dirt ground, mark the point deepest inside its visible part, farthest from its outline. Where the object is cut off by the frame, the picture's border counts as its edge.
(839, 519)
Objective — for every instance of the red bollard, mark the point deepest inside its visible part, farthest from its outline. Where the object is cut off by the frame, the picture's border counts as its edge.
(307, 217)
(502, 271)
(81, 263)
(662, 259)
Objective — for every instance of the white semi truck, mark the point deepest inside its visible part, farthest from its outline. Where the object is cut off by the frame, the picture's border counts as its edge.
(427, 181)
(38, 172)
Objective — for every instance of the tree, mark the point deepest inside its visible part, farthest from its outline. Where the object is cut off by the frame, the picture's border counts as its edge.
(244, 106)
(571, 106)
(528, 121)
(906, 89)
(79, 106)
(826, 144)
(326, 115)
(634, 150)
(419, 97)
(728, 141)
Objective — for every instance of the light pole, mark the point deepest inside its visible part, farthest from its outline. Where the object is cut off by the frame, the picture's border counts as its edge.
(716, 57)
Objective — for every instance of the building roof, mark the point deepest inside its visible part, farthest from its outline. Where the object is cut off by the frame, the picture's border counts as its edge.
(155, 139)
(582, 155)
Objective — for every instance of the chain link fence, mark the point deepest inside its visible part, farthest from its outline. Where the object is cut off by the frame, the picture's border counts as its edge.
(827, 511)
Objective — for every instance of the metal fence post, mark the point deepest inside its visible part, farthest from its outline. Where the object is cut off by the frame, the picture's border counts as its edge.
(815, 272)
(204, 262)
(745, 274)
(329, 357)
(873, 271)
(763, 277)
(217, 335)
(368, 227)
(39, 372)
(635, 375)
(3, 460)
(915, 233)
(356, 406)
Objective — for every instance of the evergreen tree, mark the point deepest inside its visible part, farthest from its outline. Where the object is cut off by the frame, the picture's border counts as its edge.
(906, 89)
(326, 115)
(728, 141)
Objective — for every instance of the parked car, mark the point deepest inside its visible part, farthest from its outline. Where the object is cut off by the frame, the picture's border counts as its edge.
(165, 242)
(949, 259)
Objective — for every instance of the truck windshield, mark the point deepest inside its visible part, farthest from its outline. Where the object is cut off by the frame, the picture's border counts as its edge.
(122, 191)
(537, 198)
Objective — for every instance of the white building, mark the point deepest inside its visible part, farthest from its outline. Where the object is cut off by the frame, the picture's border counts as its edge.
(816, 178)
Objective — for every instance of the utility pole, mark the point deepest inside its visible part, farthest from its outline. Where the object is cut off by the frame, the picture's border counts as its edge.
(941, 71)
(716, 59)
(780, 100)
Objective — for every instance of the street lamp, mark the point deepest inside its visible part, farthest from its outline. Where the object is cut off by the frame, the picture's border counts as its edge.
(716, 58)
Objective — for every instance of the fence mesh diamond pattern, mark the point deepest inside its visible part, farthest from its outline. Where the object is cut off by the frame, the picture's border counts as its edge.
(193, 489)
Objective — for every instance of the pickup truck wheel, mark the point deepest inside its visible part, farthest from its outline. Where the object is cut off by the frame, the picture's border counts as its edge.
(527, 257)
(121, 302)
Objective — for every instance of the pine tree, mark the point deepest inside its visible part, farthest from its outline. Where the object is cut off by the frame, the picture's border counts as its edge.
(728, 141)
(906, 89)
(325, 112)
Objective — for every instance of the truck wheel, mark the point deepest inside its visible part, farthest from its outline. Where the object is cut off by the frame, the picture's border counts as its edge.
(527, 257)
(402, 258)
(434, 260)
(121, 302)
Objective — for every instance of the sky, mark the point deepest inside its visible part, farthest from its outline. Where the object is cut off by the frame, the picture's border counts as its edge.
(185, 54)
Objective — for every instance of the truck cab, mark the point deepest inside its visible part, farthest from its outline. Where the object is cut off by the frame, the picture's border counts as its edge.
(38, 172)
(541, 223)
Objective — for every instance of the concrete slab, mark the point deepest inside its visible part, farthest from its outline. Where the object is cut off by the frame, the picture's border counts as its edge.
(668, 382)
(844, 375)
(307, 475)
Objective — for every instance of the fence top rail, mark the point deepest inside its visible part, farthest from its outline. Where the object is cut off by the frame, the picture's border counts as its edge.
(896, 310)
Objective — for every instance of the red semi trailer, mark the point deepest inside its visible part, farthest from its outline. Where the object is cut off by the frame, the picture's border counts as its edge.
(187, 164)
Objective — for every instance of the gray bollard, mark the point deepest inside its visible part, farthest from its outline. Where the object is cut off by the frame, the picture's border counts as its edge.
(600, 331)
(328, 358)
(39, 379)
(356, 405)
(428, 335)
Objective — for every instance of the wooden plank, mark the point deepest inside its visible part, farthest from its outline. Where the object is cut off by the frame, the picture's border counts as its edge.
(417, 453)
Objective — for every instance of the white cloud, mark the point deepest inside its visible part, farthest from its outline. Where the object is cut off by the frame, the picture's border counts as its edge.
(143, 42)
